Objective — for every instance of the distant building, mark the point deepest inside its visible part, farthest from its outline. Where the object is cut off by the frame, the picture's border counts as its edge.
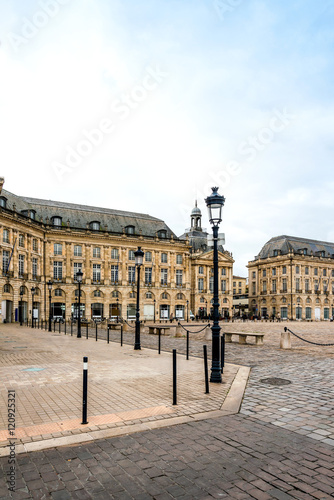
(240, 295)
(293, 278)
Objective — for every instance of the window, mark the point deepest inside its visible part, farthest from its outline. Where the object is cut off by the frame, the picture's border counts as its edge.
(307, 285)
(284, 312)
(57, 249)
(297, 269)
(94, 226)
(96, 272)
(34, 267)
(284, 270)
(21, 265)
(324, 272)
(253, 288)
(114, 253)
(164, 257)
(275, 253)
(306, 270)
(315, 271)
(284, 284)
(180, 296)
(21, 240)
(200, 270)
(77, 251)
(33, 214)
(97, 293)
(97, 252)
(264, 273)
(223, 271)
(211, 284)
(274, 271)
(3, 202)
(130, 230)
(148, 275)
(131, 274)
(179, 259)
(223, 285)
(148, 257)
(264, 286)
(234, 283)
(162, 233)
(132, 255)
(239, 283)
(114, 274)
(115, 294)
(253, 275)
(58, 292)
(6, 288)
(5, 236)
(164, 296)
(179, 277)
(57, 270)
(297, 284)
(149, 295)
(326, 313)
(308, 312)
(77, 268)
(5, 260)
(56, 221)
(200, 284)
(35, 245)
(164, 276)
(273, 286)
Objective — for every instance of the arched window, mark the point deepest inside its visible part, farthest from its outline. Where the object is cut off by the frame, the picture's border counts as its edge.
(94, 225)
(3, 202)
(130, 230)
(162, 233)
(56, 221)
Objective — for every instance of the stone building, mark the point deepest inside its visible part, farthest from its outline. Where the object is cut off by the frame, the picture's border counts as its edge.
(293, 278)
(44, 241)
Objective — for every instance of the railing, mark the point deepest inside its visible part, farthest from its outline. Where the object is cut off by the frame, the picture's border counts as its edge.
(36, 278)
(8, 274)
(23, 276)
(97, 282)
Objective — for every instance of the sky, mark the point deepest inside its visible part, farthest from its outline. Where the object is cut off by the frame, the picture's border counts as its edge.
(145, 105)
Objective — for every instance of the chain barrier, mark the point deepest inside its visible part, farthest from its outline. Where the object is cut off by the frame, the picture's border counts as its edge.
(304, 340)
(131, 326)
(199, 331)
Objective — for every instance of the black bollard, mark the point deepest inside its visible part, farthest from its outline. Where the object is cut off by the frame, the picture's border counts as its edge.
(85, 390)
(187, 344)
(206, 369)
(59, 327)
(96, 332)
(222, 352)
(108, 335)
(159, 341)
(121, 335)
(54, 326)
(174, 378)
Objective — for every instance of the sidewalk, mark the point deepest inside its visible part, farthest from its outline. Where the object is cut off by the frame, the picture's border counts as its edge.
(126, 388)
(279, 446)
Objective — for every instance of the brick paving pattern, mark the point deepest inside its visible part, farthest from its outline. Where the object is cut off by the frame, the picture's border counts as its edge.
(279, 446)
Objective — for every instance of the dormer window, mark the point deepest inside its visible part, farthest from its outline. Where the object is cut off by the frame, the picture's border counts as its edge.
(130, 230)
(33, 214)
(94, 226)
(162, 233)
(56, 221)
(275, 253)
(3, 202)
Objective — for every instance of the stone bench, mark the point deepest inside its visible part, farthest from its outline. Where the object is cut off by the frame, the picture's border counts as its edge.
(243, 336)
(155, 330)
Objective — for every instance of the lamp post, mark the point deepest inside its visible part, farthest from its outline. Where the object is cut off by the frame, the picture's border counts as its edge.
(50, 288)
(79, 280)
(139, 257)
(21, 306)
(154, 310)
(215, 204)
(32, 306)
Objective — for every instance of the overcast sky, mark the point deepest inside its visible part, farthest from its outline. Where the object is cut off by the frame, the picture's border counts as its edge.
(145, 105)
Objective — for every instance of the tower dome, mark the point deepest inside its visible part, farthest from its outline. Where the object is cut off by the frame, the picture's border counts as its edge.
(196, 216)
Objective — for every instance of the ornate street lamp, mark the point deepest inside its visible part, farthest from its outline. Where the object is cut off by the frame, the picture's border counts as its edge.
(50, 288)
(21, 308)
(215, 204)
(79, 276)
(33, 290)
(139, 257)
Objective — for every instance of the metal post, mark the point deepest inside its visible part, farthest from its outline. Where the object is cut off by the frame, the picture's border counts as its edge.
(85, 390)
(137, 327)
(59, 326)
(79, 315)
(159, 341)
(50, 309)
(187, 344)
(215, 367)
(108, 335)
(205, 353)
(222, 350)
(96, 332)
(121, 335)
(174, 378)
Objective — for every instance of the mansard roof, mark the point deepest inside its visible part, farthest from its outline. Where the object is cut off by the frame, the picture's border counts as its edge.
(79, 216)
(283, 245)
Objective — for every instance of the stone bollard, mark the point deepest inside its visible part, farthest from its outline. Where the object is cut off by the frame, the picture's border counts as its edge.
(178, 331)
(285, 342)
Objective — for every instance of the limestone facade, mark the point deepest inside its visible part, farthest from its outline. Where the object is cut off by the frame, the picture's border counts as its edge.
(44, 241)
(293, 278)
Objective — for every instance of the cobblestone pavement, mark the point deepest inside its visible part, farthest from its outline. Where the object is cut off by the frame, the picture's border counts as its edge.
(279, 446)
